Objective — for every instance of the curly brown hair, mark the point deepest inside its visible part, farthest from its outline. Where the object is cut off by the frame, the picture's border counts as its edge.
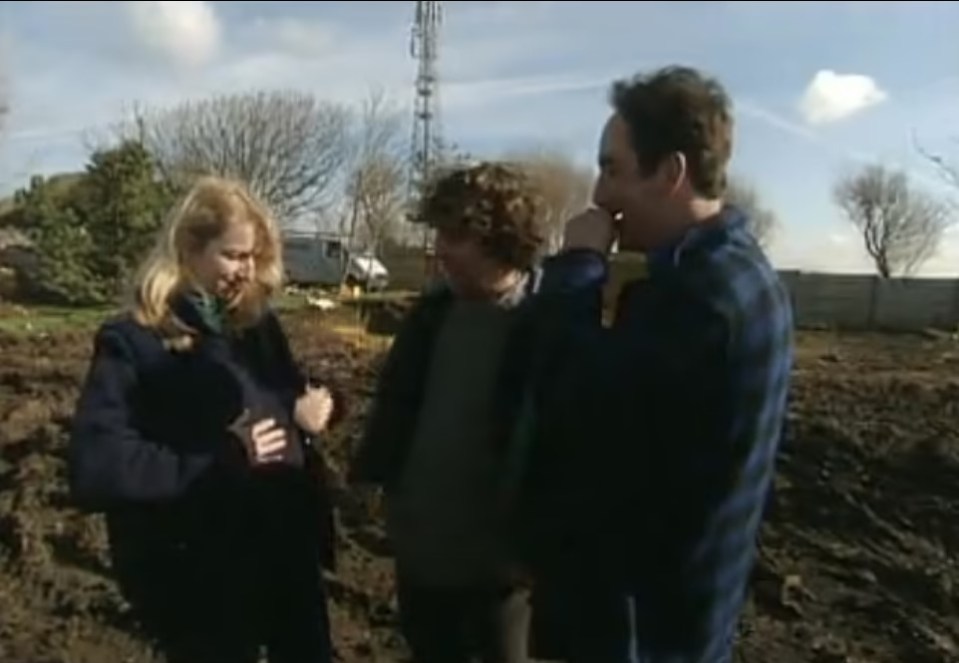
(495, 202)
(679, 109)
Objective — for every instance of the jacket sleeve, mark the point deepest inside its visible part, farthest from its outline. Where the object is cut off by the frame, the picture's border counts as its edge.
(110, 461)
(573, 346)
(297, 377)
(379, 449)
(571, 352)
(599, 362)
(292, 378)
(600, 388)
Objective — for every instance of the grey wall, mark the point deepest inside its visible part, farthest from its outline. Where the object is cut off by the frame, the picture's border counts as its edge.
(868, 302)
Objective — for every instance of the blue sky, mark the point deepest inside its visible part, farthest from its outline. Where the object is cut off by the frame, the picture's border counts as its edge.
(819, 87)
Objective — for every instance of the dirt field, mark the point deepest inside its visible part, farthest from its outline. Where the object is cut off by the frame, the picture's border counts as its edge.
(860, 553)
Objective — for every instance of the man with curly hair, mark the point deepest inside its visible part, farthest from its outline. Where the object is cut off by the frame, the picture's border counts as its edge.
(447, 417)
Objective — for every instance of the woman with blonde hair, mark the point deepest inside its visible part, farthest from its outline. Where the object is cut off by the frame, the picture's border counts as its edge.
(192, 434)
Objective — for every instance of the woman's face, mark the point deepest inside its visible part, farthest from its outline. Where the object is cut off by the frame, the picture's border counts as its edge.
(226, 265)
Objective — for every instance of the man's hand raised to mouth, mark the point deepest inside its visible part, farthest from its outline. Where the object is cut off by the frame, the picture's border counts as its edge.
(593, 229)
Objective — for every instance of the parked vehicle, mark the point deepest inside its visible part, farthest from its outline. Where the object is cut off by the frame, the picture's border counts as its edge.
(323, 259)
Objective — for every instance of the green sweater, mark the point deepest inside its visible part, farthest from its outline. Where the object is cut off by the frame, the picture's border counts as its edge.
(441, 515)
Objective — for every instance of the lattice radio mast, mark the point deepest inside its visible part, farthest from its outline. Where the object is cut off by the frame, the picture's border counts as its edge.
(426, 127)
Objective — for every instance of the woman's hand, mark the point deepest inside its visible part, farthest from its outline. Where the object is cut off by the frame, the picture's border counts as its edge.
(268, 443)
(314, 409)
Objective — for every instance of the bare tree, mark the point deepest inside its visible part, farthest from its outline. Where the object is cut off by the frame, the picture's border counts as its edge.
(762, 221)
(901, 226)
(376, 188)
(287, 146)
(566, 187)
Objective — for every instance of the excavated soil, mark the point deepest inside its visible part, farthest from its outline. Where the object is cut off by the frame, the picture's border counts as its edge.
(859, 555)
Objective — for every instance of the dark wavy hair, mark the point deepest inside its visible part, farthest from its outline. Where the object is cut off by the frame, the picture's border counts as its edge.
(495, 202)
(679, 109)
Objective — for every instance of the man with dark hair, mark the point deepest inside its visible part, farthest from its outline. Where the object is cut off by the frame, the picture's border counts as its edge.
(447, 418)
(657, 436)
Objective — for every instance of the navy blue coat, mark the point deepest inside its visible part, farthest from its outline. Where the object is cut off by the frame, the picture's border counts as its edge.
(151, 448)
(658, 443)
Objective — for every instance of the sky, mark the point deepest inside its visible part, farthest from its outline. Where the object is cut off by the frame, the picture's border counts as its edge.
(819, 88)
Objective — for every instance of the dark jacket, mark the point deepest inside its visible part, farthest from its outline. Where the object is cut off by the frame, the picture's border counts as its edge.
(391, 421)
(152, 449)
(520, 392)
(675, 415)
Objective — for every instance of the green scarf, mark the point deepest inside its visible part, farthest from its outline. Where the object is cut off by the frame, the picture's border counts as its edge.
(212, 309)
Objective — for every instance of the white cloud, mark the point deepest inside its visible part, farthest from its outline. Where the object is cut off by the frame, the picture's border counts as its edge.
(186, 33)
(831, 96)
(482, 101)
(302, 38)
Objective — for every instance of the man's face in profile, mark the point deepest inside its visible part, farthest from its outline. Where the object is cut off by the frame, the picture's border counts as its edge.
(464, 264)
(624, 191)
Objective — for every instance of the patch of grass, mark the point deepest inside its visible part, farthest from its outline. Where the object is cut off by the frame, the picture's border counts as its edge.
(46, 319)
(19, 319)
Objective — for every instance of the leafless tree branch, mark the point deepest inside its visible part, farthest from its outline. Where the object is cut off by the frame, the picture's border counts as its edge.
(566, 187)
(287, 146)
(901, 226)
(376, 188)
(948, 170)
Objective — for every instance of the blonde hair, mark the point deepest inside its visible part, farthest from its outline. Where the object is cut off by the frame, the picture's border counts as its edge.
(211, 206)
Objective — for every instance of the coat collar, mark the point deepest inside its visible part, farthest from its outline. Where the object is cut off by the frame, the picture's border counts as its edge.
(200, 310)
(526, 285)
(709, 232)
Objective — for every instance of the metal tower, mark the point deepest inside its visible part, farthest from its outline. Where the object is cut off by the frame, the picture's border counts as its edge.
(426, 130)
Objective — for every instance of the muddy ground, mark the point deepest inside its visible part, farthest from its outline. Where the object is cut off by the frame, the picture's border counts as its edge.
(860, 552)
